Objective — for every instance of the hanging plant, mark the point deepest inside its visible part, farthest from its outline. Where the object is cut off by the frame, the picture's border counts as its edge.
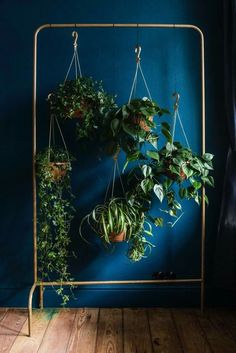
(130, 126)
(84, 100)
(119, 220)
(160, 170)
(55, 214)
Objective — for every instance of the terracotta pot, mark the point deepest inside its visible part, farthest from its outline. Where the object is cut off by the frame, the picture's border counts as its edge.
(58, 169)
(77, 114)
(173, 176)
(142, 123)
(117, 238)
(84, 105)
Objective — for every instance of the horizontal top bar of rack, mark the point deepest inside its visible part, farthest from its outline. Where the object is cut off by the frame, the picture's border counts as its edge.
(118, 25)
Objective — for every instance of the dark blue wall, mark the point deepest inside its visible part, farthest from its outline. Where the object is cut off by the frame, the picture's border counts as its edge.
(170, 60)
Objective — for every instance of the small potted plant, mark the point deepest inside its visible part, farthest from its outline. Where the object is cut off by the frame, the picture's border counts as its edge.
(84, 100)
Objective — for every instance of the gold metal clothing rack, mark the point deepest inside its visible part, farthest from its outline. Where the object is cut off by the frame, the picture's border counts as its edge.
(41, 285)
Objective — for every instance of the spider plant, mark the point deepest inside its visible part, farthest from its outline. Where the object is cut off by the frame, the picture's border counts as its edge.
(120, 220)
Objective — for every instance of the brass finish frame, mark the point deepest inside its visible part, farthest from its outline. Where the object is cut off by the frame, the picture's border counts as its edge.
(41, 285)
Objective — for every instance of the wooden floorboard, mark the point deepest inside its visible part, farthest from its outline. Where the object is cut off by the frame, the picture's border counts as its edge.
(25, 344)
(10, 327)
(152, 330)
(137, 336)
(84, 332)
(217, 334)
(163, 331)
(3, 312)
(57, 336)
(191, 334)
(110, 331)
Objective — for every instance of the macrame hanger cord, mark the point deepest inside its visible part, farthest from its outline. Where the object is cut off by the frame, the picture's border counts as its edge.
(177, 116)
(138, 50)
(112, 180)
(51, 139)
(62, 137)
(75, 58)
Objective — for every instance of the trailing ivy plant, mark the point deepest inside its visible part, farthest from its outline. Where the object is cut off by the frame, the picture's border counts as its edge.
(55, 214)
(130, 126)
(121, 220)
(83, 99)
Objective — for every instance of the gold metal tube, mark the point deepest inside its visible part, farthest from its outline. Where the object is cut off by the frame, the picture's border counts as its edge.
(203, 204)
(34, 125)
(139, 281)
(30, 308)
(41, 290)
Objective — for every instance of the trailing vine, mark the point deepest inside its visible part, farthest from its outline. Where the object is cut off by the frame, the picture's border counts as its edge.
(54, 218)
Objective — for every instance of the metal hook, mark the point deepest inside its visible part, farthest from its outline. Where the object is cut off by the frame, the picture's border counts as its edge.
(75, 36)
(176, 95)
(138, 50)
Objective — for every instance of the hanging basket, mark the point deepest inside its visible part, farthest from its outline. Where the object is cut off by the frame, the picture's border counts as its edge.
(58, 169)
(142, 123)
(117, 237)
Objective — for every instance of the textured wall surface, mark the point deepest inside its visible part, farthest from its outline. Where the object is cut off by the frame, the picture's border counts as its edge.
(170, 61)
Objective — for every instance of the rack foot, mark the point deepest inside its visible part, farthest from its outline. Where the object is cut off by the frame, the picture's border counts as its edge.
(30, 308)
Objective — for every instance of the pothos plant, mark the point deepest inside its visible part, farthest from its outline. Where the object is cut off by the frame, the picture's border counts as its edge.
(83, 99)
(119, 220)
(55, 214)
(171, 173)
(130, 125)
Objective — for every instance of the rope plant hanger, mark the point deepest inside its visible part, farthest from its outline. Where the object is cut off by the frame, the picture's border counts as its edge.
(82, 99)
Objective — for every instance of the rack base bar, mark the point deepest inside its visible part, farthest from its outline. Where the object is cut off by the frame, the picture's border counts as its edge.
(139, 281)
(43, 284)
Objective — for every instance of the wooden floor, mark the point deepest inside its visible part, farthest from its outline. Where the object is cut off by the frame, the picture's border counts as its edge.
(119, 331)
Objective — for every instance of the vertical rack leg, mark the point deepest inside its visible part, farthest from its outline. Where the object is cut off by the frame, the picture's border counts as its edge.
(41, 289)
(202, 296)
(30, 308)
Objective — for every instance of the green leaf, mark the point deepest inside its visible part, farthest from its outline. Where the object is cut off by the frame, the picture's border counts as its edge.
(115, 126)
(187, 170)
(158, 190)
(165, 125)
(206, 199)
(208, 180)
(153, 140)
(153, 155)
(208, 166)
(170, 147)
(208, 156)
(167, 134)
(147, 170)
(158, 222)
(196, 184)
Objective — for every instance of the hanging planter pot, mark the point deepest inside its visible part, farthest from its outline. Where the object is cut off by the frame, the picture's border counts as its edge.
(117, 237)
(58, 169)
(84, 100)
(141, 121)
(53, 164)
